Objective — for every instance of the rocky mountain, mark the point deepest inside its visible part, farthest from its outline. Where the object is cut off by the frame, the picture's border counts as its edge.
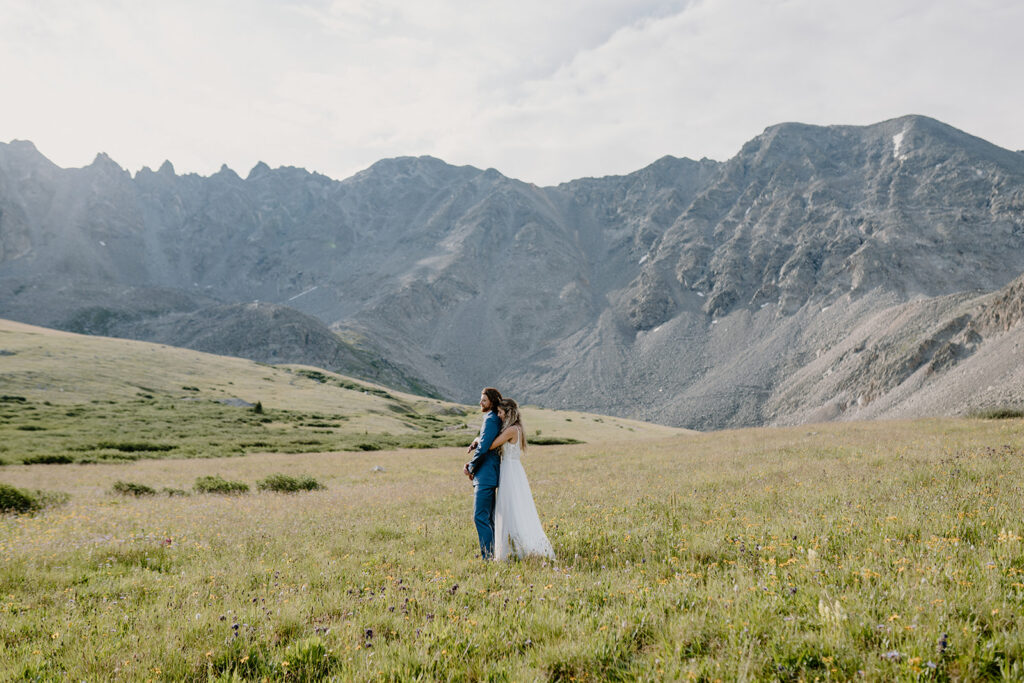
(695, 293)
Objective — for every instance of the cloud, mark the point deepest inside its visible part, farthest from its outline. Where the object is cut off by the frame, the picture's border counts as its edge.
(542, 91)
(704, 80)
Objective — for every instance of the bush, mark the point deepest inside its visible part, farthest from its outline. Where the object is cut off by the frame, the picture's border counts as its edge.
(133, 447)
(47, 460)
(1000, 414)
(552, 441)
(284, 483)
(18, 500)
(130, 488)
(173, 492)
(218, 484)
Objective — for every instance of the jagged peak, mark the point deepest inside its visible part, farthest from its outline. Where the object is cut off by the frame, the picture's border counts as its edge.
(103, 160)
(166, 168)
(261, 168)
(104, 166)
(24, 151)
(226, 172)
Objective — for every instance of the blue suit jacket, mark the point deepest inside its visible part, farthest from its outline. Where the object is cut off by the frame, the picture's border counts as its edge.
(486, 463)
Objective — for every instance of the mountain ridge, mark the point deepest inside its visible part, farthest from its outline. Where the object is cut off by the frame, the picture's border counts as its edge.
(687, 292)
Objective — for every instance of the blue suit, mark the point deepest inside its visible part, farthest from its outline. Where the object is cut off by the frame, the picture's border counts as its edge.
(485, 466)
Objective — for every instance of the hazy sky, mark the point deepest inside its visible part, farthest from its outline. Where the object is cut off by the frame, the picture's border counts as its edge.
(542, 90)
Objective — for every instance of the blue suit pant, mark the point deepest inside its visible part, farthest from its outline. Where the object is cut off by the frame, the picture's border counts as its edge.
(483, 515)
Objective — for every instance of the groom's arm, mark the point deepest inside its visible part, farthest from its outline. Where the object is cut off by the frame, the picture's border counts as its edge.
(492, 425)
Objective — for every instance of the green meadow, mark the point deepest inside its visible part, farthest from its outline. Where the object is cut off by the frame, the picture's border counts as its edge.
(67, 398)
(876, 551)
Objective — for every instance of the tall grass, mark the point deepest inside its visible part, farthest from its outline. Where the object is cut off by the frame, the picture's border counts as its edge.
(884, 551)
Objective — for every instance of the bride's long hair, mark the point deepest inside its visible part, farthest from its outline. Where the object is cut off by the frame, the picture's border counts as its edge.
(513, 418)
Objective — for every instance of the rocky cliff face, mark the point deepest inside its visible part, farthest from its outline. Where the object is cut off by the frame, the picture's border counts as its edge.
(806, 213)
(701, 294)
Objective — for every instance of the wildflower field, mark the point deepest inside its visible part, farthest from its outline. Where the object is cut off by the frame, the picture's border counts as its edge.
(883, 551)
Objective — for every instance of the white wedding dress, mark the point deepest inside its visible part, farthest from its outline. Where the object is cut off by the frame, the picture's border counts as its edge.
(517, 528)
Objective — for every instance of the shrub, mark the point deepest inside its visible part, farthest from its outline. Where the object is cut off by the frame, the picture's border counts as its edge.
(284, 483)
(1000, 414)
(130, 488)
(552, 441)
(218, 484)
(314, 375)
(132, 447)
(118, 457)
(47, 460)
(17, 500)
(173, 492)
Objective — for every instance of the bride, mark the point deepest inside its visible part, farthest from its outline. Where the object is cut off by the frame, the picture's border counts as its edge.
(517, 529)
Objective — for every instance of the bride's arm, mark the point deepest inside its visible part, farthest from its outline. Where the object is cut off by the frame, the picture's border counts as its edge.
(506, 435)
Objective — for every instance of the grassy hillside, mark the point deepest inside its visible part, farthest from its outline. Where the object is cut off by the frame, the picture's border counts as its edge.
(74, 398)
(885, 551)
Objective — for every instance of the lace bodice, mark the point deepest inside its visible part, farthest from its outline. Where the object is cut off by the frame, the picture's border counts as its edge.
(510, 451)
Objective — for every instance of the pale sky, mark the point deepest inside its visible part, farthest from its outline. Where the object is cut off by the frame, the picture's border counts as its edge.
(542, 90)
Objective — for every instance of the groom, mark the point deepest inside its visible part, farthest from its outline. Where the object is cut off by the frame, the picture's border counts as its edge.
(483, 469)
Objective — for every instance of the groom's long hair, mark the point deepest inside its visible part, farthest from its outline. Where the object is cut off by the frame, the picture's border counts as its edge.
(494, 396)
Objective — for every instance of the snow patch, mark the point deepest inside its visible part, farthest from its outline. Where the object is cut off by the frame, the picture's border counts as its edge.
(643, 259)
(897, 145)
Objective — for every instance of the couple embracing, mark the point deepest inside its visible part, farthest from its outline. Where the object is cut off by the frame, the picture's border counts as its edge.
(504, 512)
